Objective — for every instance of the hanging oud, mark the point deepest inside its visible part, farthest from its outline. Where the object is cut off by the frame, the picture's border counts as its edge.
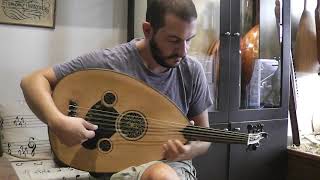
(305, 50)
(134, 122)
(317, 21)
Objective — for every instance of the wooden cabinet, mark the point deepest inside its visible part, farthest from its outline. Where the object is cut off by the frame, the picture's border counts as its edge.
(269, 161)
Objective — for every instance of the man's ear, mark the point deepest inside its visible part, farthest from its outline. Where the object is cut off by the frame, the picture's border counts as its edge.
(147, 30)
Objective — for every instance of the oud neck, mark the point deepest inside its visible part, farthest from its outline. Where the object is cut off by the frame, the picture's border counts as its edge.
(193, 133)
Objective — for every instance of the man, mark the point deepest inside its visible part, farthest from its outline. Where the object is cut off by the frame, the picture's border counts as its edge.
(160, 60)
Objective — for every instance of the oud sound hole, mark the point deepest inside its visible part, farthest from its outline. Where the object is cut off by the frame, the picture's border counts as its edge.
(109, 98)
(132, 125)
(105, 145)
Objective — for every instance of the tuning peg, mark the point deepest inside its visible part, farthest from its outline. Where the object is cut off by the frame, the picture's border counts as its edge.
(264, 135)
(253, 147)
(260, 127)
(250, 128)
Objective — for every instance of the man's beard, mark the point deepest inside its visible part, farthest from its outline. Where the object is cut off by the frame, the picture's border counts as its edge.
(157, 55)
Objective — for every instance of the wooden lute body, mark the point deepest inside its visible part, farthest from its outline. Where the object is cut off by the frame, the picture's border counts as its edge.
(305, 50)
(134, 122)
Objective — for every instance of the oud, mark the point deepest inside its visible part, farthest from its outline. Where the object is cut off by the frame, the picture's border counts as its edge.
(134, 122)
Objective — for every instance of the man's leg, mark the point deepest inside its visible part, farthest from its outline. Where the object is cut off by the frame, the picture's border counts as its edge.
(183, 170)
(159, 171)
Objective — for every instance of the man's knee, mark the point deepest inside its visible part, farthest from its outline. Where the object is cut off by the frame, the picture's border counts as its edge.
(159, 171)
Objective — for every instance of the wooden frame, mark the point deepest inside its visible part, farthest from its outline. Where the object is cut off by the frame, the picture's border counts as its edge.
(302, 165)
(40, 13)
(130, 25)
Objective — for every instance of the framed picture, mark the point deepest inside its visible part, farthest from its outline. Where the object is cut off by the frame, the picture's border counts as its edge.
(39, 13)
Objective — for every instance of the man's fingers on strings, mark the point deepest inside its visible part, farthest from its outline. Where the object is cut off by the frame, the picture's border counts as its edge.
(172, 147)
(180, 146)
(165, 147)
(84, 140)
(89, 125)
(89, 134)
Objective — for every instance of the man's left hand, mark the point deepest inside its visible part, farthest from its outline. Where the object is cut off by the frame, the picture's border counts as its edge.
(174, 150)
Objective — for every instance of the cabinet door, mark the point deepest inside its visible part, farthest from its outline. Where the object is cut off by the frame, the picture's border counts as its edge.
(259, 78)
(268, 161)
(214, 164)
(258, 62)
(211, 48)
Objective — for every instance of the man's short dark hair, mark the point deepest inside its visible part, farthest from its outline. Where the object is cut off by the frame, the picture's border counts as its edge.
(157, 9)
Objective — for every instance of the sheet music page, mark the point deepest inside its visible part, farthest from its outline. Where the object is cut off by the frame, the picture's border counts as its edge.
(46, 169)
(23, 135)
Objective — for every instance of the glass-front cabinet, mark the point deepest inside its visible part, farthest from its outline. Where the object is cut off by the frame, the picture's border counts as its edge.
(244, 47)
(260, 54)
(259, 85)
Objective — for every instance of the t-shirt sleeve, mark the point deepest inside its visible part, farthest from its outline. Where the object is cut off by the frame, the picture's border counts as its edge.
(200, 97)
(86, 61)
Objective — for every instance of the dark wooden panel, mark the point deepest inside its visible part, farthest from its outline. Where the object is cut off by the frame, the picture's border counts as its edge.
(130, 23)
(268, 161)
(303, 166)
(214, 164)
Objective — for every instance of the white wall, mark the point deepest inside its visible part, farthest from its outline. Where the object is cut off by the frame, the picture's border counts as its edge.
(140, 8)
(81, 26)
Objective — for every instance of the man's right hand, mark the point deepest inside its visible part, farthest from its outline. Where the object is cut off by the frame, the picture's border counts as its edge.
(37, 90)
(73, 130)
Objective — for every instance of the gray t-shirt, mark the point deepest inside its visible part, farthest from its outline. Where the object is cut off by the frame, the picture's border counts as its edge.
(185, 85)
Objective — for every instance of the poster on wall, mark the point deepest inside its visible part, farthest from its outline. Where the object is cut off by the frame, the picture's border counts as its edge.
(39, 13)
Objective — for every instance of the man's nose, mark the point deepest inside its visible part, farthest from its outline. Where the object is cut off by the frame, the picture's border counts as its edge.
(183, 49)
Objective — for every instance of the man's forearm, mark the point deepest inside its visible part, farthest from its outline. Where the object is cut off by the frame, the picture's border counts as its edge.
(37, 93)
(199, 148)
